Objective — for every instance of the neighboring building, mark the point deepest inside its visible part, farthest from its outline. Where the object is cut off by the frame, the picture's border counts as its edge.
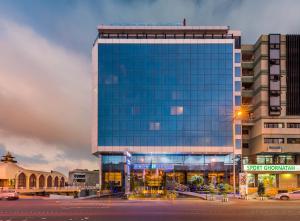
(14, 176)
(271, 96)
(165, 99)
(83, 177)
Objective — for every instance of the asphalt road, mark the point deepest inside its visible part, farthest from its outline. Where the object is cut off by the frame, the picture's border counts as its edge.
(183, 210)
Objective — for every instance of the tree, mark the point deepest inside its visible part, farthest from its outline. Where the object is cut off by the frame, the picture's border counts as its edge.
(197, 181)
(224, 189)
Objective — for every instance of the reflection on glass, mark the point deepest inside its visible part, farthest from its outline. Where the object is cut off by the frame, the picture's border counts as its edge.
(178, 110)
(186, 88)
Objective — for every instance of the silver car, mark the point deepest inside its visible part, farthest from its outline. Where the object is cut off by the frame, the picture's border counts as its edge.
(9, 194)
(295, 195)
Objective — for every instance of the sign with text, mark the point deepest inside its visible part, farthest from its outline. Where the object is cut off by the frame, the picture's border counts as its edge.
(153, 166)
(267, 168)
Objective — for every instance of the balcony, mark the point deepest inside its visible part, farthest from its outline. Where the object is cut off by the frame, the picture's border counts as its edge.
(248, 64)
(247, 93)
(247, 79)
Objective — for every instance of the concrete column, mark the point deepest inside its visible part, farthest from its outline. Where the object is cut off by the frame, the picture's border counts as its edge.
(27, 181)
(100, 171)
(277, 181)
(17, 181)
(38, 181)
(127, 178)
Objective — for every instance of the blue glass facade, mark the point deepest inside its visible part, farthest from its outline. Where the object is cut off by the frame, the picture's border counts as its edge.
(165, 94)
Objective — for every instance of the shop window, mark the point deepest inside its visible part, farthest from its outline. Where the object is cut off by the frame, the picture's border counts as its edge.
(269, 180)
(112, 179)
(251, 180)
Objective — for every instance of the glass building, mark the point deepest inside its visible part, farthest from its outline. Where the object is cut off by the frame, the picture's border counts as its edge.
(164, 103)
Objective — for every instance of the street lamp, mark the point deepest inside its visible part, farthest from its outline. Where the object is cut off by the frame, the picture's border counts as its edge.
(237, 114)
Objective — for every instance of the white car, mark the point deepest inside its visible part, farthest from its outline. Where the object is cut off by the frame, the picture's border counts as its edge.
(295, 195)
(9, 194)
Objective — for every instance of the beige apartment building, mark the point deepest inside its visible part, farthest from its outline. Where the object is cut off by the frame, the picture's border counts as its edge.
(271, 103)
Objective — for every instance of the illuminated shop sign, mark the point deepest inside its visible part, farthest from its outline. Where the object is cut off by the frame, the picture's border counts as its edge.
(278, 168)
(153, 166)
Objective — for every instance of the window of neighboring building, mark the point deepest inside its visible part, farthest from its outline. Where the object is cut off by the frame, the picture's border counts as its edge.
(176, 110)
(273, 125)
(293, 125)
(293, 140)
(245, 145)
(274, 140)
(285, 159)
(245, 132)
(237, 57)
(264, 159)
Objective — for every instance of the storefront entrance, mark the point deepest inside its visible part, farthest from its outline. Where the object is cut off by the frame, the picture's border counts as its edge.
(148, 179)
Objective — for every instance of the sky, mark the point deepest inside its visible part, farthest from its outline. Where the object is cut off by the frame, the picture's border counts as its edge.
(45, 64)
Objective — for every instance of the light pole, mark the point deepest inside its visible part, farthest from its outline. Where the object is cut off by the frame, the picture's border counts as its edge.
(235, 115)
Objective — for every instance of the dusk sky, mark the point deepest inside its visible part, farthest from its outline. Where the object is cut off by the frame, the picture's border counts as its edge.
(45, 64)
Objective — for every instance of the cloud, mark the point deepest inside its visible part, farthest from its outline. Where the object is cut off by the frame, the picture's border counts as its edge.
(44, 94)
(32, 153)
(45, 63)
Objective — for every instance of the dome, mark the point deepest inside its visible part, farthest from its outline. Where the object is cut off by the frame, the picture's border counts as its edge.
(9, 170)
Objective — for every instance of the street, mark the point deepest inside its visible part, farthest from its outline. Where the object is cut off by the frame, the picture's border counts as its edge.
(116, 209)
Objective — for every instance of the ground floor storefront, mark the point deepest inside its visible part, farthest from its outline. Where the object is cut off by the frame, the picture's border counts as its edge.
(276, 178)
(162, 171)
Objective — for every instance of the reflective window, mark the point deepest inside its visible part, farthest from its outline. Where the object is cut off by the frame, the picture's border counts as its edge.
(178, 110)
(273, 125)
(293, 125)
(237, 86)
(238, 129)
(165, 94)
(274, 140)
(154, 126)
(238, 143)
(237, 71)
(238, 100)
(293, 140)
(237, 57)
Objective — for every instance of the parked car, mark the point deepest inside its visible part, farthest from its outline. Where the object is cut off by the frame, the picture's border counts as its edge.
(286, 196)
(9, 194)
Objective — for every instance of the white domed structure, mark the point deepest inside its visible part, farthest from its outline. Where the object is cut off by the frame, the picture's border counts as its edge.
(14, 176)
